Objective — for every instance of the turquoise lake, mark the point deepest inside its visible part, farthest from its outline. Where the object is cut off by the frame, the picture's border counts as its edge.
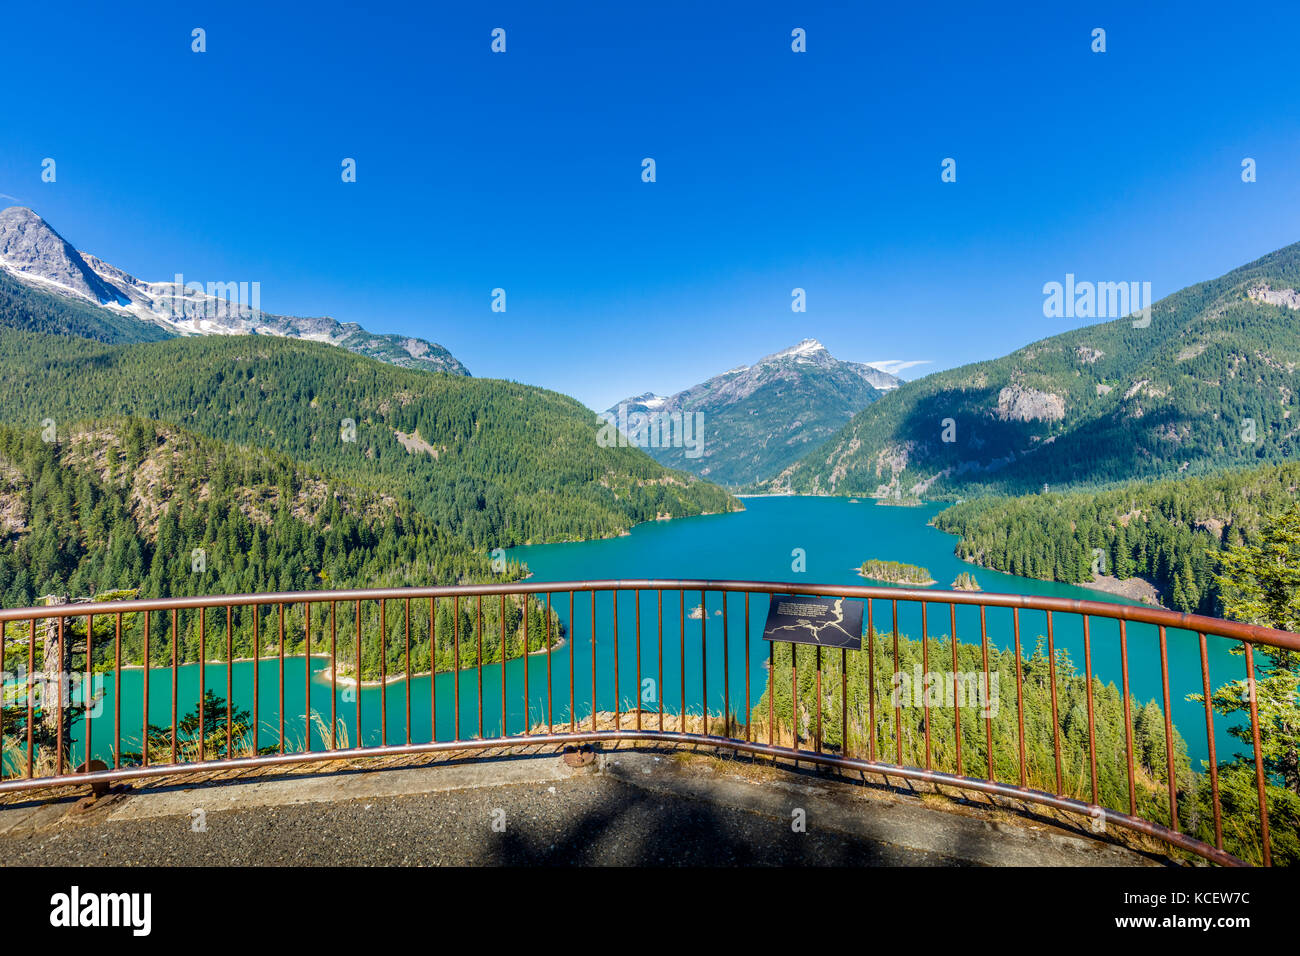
(836, 536)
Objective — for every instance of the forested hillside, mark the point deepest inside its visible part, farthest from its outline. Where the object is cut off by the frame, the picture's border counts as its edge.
(1169, 532)
(490, 463)
(30, 310)
(1210, 383)
(131, 504)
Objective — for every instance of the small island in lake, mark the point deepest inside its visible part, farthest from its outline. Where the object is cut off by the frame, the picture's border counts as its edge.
(895, 572)
(966, 582)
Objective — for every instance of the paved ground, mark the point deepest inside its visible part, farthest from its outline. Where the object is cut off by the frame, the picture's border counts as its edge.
(630, 808)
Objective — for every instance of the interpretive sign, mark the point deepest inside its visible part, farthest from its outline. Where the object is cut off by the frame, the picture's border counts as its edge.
(825, 622)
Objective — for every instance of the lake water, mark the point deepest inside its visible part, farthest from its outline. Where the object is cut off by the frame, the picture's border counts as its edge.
(835, 534)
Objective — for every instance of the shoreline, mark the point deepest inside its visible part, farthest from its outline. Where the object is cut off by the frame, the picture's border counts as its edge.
(1134, 589)
(344, 680)
(327, 672)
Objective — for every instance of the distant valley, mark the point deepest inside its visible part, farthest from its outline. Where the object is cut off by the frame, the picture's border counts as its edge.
(756, 419)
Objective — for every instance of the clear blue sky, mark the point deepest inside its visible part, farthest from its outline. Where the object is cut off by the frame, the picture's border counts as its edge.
(775, 169)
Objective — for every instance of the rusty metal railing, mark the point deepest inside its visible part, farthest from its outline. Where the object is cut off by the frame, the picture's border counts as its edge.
(42, 741)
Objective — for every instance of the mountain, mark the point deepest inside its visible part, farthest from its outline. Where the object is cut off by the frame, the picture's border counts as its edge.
(129, 309)
(1209, 383)
(756, 419)
(492, 463)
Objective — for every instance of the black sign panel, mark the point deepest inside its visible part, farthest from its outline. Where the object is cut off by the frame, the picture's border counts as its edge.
(825, 622)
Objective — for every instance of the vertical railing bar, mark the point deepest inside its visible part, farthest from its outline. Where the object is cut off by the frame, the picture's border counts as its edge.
(871, 683)
(988, 710)
(433, 670)
(117, 694)
(31, 687)
(1056, 721)
(176, 636)
(817, 739)
(230, 681)
(659, 688)
(1128, 718)
(925, 676)
(257, 669)
(63, 656)
(86, 685)
(771, 692)
(681, 598)
(618, 719)
(956, 698)
(898, 701)
(406, 611)
(844, 701)
(550, 687)
(280, 643)
(455, 637)
(478, 636)
(502, 610)
(334, 675)
(1209, 739)
(1169, 731)
(573, 648)
(1092, 724)
(794, 696)
(1020, 699)
(306, 680)
(726, 670)
(638, 660)
(203, 650)
(593, 659)
(704, 660)
(1259, 759)
(383, 672)
(360, 739)
(749, 707)
(528, 711)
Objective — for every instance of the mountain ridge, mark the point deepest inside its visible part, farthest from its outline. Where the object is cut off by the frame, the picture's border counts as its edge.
(32, 252)
(1210, 383)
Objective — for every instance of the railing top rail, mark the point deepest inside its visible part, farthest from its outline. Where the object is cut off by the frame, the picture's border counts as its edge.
(1251, 633)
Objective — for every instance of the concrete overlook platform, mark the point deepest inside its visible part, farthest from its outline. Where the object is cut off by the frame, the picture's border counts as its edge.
(639, 806)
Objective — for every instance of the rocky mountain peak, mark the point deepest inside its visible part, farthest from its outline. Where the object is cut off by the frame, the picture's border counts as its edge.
(30, 248)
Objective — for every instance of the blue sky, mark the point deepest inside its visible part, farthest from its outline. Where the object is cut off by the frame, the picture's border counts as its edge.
(774, 169)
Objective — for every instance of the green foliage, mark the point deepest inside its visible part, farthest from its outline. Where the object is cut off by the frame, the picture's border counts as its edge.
(994, 709)
(510, 464)
(1173, 533)
(895, 572)
(1260, 585)
(222, 733)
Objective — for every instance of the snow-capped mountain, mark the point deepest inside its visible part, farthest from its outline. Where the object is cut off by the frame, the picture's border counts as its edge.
(757, 418)
(35, 254)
